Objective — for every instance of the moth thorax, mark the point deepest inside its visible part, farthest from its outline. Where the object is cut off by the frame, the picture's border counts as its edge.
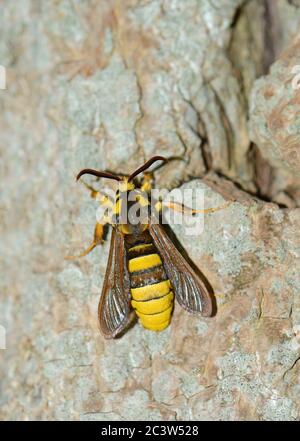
(131, 211)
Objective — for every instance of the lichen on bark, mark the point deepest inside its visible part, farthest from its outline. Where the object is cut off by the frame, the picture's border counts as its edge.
(107, 84)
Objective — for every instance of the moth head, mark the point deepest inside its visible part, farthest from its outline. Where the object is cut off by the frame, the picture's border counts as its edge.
(126, 182)
(125, 186)
(129, 199)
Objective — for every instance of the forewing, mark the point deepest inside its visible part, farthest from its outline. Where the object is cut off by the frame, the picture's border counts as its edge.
(114, 305)
(190, 291)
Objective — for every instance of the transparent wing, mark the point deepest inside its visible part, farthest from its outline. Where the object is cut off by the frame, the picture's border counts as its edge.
(190, 291)
(114, 305)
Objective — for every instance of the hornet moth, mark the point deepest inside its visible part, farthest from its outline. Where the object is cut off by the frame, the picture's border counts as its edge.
(145, 270)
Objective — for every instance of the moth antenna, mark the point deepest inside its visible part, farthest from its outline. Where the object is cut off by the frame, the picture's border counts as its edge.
(99, 174)
(146, 165)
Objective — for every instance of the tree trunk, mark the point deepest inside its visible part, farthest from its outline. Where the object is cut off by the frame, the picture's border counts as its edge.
(107, 85)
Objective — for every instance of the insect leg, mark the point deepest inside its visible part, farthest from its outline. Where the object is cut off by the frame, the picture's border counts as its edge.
(101, 197)
(107, 202)
(187, 210)
(98, 239)
(147, 182)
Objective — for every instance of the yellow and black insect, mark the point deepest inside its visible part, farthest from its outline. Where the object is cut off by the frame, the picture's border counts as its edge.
(145, 270)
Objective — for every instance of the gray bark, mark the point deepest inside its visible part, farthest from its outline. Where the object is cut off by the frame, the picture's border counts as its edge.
(106, 84)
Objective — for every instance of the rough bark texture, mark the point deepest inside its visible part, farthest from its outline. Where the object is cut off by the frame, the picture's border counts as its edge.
(105, 84)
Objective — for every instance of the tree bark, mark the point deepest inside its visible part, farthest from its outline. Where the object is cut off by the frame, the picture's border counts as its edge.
(106, 85)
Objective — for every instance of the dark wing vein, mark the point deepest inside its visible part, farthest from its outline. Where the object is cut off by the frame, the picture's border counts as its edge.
(190, 291)
(114, 305)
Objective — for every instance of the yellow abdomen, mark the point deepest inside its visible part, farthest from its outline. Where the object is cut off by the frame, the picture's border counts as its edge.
(152, 297)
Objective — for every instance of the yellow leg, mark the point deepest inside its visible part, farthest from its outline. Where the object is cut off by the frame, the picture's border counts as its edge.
(106, 201)
(101, 197)
(147, 182)
(94, 193)
(98, 239)
(187, 210)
